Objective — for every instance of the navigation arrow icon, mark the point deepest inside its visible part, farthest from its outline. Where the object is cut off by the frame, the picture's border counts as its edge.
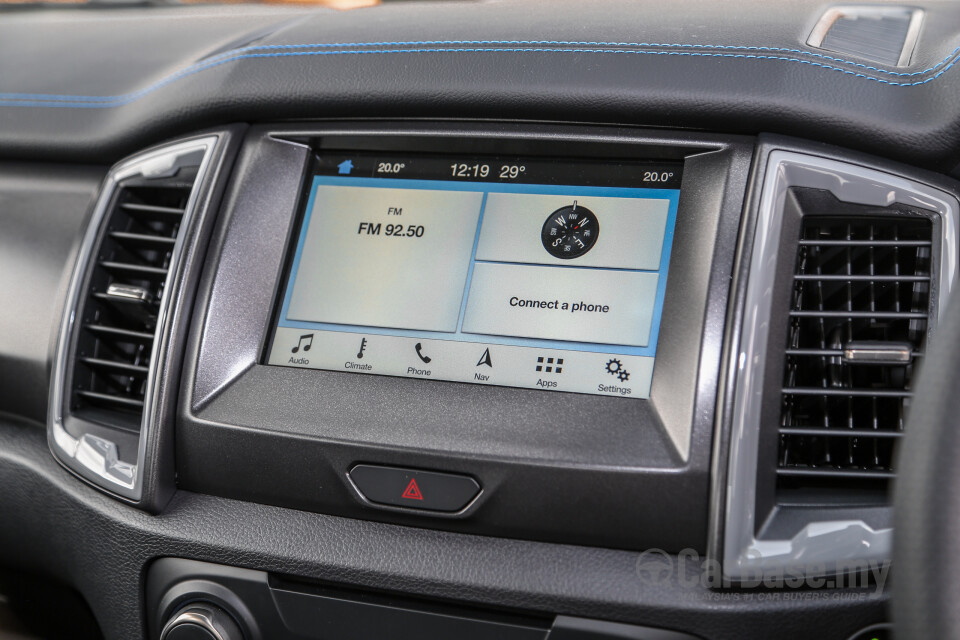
(485, 359)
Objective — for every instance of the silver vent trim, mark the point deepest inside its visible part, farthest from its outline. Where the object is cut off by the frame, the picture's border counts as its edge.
(91, 456)
(826, 543)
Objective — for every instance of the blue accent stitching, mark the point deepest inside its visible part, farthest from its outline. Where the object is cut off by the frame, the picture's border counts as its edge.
(575, 43)
(92, 102)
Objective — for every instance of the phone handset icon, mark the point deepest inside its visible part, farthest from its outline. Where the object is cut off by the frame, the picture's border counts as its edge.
(418, 348)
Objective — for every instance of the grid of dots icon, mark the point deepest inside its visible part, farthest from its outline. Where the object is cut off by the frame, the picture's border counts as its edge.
(547, 365)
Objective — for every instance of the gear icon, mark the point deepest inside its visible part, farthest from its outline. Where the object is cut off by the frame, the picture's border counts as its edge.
(615, 368)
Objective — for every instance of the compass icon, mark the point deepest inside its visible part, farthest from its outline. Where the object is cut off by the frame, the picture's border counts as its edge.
(570, 232)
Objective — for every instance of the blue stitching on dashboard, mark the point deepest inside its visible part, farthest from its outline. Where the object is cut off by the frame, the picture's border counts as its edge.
(576, 43)
(92, 102)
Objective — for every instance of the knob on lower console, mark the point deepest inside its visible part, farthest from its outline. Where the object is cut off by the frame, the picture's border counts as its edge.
(201, 621)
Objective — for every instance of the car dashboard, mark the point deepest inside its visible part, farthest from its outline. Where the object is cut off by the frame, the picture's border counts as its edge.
(471, 319)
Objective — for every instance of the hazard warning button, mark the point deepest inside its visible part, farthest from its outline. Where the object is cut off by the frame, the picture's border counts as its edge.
(413, 489)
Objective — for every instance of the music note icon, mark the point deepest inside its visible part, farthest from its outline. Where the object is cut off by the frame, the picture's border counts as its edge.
(306, 347)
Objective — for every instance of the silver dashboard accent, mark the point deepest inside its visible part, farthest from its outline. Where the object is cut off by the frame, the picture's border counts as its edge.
(94, 458)
(911, 17)
(216, 622)
(100, 455)
(826, 543)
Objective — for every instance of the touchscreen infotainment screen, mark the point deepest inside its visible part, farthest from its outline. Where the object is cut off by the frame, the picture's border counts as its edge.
(523, 272)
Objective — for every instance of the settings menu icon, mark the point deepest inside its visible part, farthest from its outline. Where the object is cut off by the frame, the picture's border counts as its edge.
(615, 368)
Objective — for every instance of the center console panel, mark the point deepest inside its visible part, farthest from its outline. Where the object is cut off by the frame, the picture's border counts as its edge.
(190, 599)
(604, 470)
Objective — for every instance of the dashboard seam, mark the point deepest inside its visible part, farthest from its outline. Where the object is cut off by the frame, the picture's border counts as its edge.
(580, 43)
(93, 102)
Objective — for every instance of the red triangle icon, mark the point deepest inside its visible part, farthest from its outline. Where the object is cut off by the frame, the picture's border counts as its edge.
(412, 492)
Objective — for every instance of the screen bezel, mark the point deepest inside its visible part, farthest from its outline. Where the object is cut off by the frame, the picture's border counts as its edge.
(554, 466)
(306, 199)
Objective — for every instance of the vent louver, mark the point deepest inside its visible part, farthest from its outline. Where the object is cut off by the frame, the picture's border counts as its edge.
(859, 313)
(119, 316)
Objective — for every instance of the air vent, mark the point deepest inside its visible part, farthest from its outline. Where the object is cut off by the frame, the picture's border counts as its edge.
(848, 269)
(126, 285)
(114, 352)
(858, 317)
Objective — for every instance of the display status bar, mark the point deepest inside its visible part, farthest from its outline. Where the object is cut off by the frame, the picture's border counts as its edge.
(503, 169)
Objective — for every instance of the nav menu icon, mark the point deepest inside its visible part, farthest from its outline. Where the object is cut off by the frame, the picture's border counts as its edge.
(485, 359)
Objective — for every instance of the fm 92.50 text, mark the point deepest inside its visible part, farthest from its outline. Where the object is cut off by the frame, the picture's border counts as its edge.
(391, 230)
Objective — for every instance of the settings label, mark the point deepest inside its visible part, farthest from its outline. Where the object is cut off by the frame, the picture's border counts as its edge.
(615, 368)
